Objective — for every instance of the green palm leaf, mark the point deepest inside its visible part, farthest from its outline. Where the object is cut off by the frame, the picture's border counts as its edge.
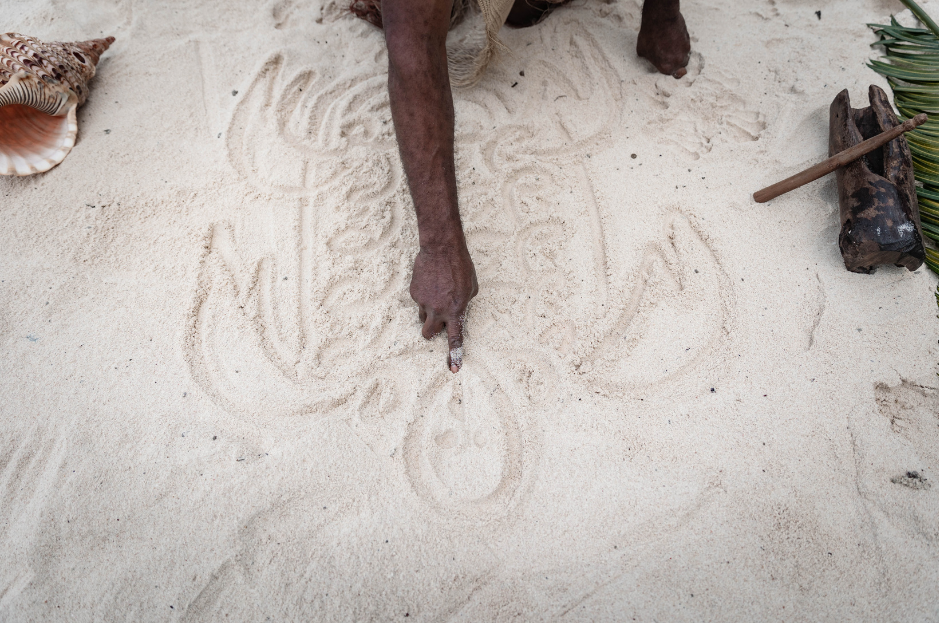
(909, 75)
(925, 193)
(911, 66)
(932, 261)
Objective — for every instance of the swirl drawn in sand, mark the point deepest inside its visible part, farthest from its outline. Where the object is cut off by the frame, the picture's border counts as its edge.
(315, 315)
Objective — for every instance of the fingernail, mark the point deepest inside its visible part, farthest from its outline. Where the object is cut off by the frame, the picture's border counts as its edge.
(456, 358)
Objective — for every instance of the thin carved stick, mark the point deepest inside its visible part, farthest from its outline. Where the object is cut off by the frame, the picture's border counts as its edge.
(838, 160)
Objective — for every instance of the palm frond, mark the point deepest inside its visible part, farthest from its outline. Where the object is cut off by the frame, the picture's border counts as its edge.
(910, 63)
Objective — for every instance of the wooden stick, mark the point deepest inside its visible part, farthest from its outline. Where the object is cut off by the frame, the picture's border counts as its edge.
(838, 160)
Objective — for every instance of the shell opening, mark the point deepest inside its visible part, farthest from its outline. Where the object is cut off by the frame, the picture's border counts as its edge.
(32, 141)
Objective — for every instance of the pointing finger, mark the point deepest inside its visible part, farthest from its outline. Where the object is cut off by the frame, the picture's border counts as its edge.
(455, 340)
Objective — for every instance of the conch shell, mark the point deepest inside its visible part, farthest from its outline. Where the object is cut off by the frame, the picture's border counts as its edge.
(41, 85)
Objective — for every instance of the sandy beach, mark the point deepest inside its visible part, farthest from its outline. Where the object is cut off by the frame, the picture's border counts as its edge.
(676, 404)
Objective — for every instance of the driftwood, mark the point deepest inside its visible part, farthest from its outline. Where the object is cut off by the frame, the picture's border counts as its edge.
(876, 193)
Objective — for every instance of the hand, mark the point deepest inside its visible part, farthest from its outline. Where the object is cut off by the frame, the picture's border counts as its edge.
(442, 284)
(664, 41)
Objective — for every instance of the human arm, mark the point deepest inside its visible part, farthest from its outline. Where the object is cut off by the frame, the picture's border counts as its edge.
(444, 278)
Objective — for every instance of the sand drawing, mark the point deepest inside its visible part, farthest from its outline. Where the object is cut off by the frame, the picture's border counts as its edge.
(674, 278)
(307, 312)
(461, 456)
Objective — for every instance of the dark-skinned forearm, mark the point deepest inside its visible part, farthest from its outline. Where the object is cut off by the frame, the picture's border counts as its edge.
(422, 110)
(443, 279)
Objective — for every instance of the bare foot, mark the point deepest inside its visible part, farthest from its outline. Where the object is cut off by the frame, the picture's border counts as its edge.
(663, 37)
(369, 10)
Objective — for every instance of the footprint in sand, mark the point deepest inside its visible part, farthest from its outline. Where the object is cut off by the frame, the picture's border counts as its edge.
(704, 111)
(895, 439)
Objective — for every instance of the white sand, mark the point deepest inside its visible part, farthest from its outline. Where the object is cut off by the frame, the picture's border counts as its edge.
(676, 404)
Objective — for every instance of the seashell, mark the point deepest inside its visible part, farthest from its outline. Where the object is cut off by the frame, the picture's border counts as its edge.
(41, 86)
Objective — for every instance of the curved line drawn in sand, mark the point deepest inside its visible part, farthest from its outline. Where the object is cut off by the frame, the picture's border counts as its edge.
(547, 211)
(270, 335)
(564, 107)
(232, 347)
(312, 119)
(261, 337)
(662, 330)
(473, 445)
(538, 246)
(344, 163)
(821, 304)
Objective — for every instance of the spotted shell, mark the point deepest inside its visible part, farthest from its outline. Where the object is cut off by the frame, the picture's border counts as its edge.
(41, 86)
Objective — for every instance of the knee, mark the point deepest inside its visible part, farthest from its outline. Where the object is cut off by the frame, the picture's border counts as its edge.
(415, 32)
(413, 53)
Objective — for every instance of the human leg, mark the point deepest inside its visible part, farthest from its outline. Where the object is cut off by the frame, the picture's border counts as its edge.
(663, 37)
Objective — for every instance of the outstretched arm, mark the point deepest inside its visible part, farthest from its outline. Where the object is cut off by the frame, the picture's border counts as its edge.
(444, 278)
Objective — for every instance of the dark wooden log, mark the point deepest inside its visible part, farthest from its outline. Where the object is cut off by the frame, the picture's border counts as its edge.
(877, 192)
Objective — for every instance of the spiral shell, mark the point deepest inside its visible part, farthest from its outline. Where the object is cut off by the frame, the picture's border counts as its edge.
(41, 86)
